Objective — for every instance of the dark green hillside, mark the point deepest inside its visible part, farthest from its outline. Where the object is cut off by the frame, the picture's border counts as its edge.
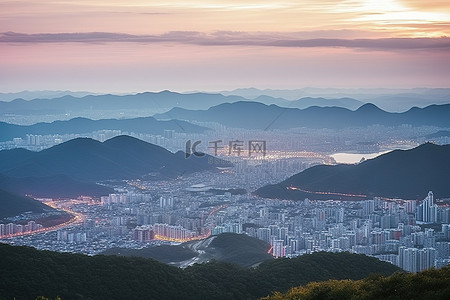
(163, 253)
(239, 249)
(284, 273)
(27, 273)
(431, 284)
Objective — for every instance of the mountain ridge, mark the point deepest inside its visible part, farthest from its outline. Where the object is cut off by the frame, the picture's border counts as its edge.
(85, 159)
(82, 125)
(407, 174)
(160, 100)
(255, 115)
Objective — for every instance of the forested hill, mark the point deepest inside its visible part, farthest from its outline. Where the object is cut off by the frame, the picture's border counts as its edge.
(27, 273)
(430, 284)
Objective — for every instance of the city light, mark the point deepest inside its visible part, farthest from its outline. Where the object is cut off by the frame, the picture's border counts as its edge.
(326, 193)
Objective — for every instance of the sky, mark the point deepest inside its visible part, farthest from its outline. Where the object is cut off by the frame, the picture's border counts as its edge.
(185, 45)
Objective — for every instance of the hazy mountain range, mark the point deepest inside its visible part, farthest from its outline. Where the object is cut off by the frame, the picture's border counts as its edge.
(144, 104)
(306, 102)
(30, 95)
(254, 115)
(406, 174)
(393, 100)
(82, 125)
(84, 104)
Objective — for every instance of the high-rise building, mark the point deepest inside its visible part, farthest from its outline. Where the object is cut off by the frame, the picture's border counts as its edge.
(368, 207)
(410, 206)
(339, 214)
(427, 210)
(445, 230)
(168, 134)
(279, 250)
(166, 202)
(10, 228)
(32, 226)
(416, 260)
(143, 234)
(263, 234)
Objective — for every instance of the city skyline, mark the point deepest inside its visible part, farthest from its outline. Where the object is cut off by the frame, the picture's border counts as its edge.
(226, 149)
(135, 46)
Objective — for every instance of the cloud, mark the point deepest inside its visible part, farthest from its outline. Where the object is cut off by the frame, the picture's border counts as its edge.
(436, 5)
(233, 38)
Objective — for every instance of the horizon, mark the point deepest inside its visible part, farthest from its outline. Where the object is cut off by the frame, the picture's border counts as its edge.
(390, 100)
(364, 89)
(219, 136)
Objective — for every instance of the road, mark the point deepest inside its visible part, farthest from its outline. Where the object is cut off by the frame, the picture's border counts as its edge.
(58, 205)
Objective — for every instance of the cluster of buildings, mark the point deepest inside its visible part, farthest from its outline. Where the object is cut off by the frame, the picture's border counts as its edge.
(388, 230)
(176, 233)
(11, 229)
(413, 235)
(71, 237)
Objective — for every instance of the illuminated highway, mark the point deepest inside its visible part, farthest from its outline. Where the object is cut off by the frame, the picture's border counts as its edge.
(195, 238)
(58, 205)
(292, 188)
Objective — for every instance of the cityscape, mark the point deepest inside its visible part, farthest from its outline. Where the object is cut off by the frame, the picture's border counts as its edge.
(413, 235)
(224, 150)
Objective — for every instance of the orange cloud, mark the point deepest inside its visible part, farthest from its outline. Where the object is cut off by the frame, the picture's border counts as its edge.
(433, 5)
(395, 17)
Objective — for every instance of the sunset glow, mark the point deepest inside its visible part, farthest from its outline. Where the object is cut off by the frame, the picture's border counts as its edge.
(131, 46)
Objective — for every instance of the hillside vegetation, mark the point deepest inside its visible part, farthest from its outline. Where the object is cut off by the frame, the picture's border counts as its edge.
(431, 284)
(27, 273)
